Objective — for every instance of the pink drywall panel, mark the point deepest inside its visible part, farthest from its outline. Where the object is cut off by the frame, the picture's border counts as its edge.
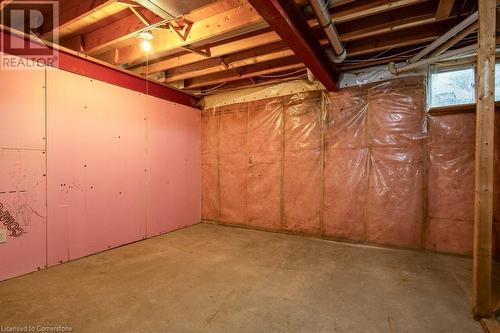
(395, 197)
(451, 181)
(450, 236)
(22, 194)
(22, 117)
(346, 188)
(173, 166)
(96, 166)
(302, 190)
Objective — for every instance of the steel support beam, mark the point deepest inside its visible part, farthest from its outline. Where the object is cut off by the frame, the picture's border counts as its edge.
(293, 28)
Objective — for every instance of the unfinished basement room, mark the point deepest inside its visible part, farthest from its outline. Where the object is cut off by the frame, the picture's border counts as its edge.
(249, 166)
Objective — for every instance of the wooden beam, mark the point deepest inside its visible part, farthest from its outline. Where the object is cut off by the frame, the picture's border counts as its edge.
(490, 325)
(454, 40)
(397, 39)
(253, 56)
(350, 31)
(111, 56)
(292, 27)
(483, 203)
(256, 81)
(128, 3)
(444, 8)
(122, 29)
(278, 50)
(235, 21)
(141, 16)
(216, 51)
(71, 11)
(128, 27)
(407, 17)
(344, 14)
(244, 72)
(74, 43)
(360, 9)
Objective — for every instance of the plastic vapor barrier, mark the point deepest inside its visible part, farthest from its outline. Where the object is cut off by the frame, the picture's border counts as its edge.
(358, 165)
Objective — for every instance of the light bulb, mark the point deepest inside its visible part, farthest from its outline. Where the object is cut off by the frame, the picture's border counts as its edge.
(146, 46)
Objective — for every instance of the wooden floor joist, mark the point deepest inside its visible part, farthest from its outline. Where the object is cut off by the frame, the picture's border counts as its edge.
(245, 72)
(344, 14)
(483, 203)
(268, 52)
(234, 36)
(236, 21)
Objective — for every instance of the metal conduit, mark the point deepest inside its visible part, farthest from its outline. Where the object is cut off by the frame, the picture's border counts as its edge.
(338, 53)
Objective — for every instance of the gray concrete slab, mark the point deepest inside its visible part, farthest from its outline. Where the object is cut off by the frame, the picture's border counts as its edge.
(209, 278)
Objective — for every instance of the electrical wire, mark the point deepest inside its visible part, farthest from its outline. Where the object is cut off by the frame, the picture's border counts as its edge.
(282, 75)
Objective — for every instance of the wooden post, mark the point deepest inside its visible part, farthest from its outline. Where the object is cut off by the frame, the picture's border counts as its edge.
(483, 203)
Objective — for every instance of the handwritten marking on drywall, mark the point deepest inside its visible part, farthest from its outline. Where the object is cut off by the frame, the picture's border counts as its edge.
(10, 222)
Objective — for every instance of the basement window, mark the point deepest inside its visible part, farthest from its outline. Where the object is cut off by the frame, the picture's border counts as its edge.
(452, 86)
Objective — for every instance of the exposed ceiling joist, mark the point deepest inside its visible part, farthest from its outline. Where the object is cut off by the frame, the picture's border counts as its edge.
(444, 8)
(403, 17)
(168, 9)
(128, 27)
(245, 72)
(71, 11)
(389, 41)
(398, 39)
(279, 50)
(249, 57)
(216, 51)
(122, 29)
(238, 20)
(292, 27)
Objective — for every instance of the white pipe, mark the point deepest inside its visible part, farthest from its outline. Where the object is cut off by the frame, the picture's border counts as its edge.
(452, 32)
(395, 70)
(325, 21)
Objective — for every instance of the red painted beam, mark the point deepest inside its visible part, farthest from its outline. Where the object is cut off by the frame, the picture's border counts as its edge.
(73, 63)
(292, 27)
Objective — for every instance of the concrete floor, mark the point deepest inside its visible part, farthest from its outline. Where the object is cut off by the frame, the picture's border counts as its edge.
(210, 278)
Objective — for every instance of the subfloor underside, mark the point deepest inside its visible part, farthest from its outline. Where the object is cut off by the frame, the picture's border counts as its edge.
(209, 278)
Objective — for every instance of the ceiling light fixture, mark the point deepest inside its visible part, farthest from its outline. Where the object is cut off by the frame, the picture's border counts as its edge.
(146, 35)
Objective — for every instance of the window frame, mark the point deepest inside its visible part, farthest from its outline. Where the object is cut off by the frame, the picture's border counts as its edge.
(436, 69)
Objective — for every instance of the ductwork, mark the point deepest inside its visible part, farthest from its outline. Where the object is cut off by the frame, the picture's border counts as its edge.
(338, 52)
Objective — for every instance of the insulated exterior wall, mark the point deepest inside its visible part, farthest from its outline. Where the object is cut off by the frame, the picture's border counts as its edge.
(87, 166)
(302, 164)
(362, 164)
(395, 195)
(451, 154)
